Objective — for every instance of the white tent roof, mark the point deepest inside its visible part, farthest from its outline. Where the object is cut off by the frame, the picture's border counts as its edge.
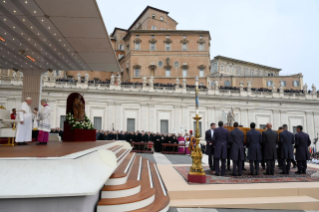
(57, 34)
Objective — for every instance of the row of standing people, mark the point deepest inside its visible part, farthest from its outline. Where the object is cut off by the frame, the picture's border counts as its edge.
(156, 138)
(262, 147)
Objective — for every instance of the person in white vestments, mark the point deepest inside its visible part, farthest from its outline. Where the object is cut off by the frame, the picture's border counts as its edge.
(44, 123)
(24, 121)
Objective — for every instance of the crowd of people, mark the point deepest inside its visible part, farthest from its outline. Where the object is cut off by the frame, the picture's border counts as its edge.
(264, 148)
(171, 85)
(295, 91)
(156, 140)
(221, 145)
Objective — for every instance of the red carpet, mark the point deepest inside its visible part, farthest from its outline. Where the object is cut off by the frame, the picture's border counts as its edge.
(311, 176)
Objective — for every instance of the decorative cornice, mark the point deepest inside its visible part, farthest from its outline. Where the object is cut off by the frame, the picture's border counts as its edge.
(137, 40)
(201, 67)
(184, 67)
(167, 66)
(152, 40)
(152, 66)
(184, 40)
(201, 41)
(137, 66)
(168, 40)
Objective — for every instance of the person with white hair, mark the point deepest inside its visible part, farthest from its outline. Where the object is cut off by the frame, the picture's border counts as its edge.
(24, 119)
(44, 123)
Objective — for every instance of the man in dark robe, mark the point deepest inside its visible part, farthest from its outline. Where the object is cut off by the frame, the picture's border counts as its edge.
(302, 152)
(174, 141)
(286, 140)
(237, 139)
(157, 143)
(254, 141)
(270, 140)
(163, 141)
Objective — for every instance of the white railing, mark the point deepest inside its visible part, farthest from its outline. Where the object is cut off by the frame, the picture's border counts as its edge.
(172, 89)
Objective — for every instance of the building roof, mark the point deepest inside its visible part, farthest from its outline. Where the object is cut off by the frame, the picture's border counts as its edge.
(116, 28)
(72, 37)
(165, 32)
(144, 11)
(245, 62)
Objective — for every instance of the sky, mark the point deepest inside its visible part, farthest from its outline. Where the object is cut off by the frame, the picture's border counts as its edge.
(278, 33)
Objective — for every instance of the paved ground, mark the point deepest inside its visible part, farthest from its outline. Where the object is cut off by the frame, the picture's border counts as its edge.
(185, 159)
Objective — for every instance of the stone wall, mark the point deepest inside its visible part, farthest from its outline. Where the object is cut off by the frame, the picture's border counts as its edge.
(147, 105)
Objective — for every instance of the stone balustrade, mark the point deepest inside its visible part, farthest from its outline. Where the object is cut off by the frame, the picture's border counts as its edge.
(171, 89)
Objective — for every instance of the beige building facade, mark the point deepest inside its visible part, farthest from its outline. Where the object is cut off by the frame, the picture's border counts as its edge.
(231, 72)
(152, 46)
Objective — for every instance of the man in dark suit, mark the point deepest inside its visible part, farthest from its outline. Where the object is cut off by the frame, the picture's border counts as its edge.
(286, 140)
(270, 140)
(279, 150)
(254, 148)
(237, 139)
(221, 139)
(209, 145)
(302, 153)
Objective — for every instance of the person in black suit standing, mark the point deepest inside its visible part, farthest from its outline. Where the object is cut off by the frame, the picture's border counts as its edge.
(254, 141)
(270, 140)
(237, 139)
(302, 153)
(286, 140)
(279, 150)
(221, 139)
(210, 145)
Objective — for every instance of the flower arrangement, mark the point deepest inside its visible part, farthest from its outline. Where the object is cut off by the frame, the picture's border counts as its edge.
(86, 124)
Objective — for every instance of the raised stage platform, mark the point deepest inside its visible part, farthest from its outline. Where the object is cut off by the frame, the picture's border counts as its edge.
(266, 195)
(79, 176)
(53, 149)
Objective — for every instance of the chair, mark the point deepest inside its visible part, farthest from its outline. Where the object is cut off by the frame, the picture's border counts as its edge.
(6, 129)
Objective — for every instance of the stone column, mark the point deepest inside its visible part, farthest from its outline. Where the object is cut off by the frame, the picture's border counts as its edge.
(177, 118)
(118, 117)
(32, 86)
(110, 115)
(185, 118)
(310, 125)
(277, 118)
(251, 117)
(211, 116)
(316, 127)
(244, 117)
(152, 118)
(144, 116)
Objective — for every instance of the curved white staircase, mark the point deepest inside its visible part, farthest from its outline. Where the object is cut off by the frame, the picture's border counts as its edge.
(135, 185)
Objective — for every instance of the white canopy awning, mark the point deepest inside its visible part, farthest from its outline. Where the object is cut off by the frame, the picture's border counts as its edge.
(54, 34)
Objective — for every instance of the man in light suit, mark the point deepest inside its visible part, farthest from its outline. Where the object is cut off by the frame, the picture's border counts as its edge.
(221, 139)
(209, 145)
(286, 140)
(237, 139)
(270, 140)
(254, 148)
(302, 152)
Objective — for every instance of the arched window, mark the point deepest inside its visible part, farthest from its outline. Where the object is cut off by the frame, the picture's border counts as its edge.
(184, 72)
(168, 72)
(201, 73)
(160, 64)
(176, 64)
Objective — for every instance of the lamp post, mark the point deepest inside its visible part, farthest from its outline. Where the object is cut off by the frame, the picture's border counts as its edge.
(196, 173)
